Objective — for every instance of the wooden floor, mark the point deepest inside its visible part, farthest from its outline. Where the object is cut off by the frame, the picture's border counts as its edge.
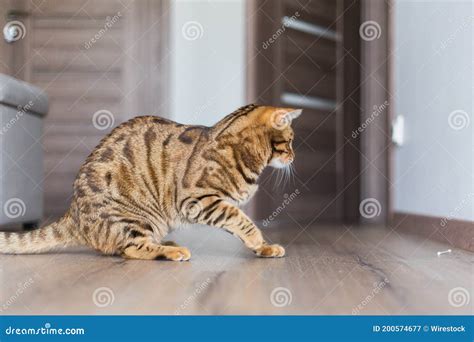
(328, 270)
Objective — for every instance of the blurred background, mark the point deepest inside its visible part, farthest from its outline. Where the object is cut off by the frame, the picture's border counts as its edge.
(386, 86)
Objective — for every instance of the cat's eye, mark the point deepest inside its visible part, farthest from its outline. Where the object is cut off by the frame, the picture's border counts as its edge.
(275, 149)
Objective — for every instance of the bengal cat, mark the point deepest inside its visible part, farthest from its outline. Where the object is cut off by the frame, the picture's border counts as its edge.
(150, 175)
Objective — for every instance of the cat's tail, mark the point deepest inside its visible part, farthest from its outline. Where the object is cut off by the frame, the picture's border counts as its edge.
(54, 236)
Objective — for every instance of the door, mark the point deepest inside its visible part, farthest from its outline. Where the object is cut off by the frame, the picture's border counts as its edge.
(306, 54)
(100, 62)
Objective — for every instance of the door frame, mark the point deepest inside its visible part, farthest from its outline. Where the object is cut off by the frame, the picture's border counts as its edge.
(377, 146)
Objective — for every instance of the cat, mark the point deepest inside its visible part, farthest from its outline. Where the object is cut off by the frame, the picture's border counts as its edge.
(151, 174)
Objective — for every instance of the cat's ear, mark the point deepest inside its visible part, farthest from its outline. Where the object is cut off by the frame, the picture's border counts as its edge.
(293, 114)
(282, 117)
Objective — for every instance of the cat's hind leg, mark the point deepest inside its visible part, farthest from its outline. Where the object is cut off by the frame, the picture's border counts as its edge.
(140, 244)
(151, 251)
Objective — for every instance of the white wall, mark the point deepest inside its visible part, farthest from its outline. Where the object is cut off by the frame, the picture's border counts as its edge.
(207, 73)
(434, 77)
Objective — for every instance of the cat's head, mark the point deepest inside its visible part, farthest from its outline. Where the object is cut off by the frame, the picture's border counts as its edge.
(270, 126)
(280, 134)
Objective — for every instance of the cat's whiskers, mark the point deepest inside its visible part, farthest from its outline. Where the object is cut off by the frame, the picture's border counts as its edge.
(272, 177)
(285, 175)
(275, 175)
(288, 175)
(292, 173)
(278, 178)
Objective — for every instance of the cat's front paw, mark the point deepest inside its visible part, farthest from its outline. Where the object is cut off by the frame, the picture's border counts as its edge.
(270, 251)
(177, 253)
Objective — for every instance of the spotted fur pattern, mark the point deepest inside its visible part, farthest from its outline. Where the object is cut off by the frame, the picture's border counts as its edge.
(150, 175)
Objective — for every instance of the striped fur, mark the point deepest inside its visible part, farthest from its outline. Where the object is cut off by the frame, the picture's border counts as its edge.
(150, 174)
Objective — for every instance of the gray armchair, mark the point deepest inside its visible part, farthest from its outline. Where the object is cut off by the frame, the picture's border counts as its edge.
(22, 109)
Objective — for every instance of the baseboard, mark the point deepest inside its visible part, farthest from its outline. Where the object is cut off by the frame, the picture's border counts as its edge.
(457, 233)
